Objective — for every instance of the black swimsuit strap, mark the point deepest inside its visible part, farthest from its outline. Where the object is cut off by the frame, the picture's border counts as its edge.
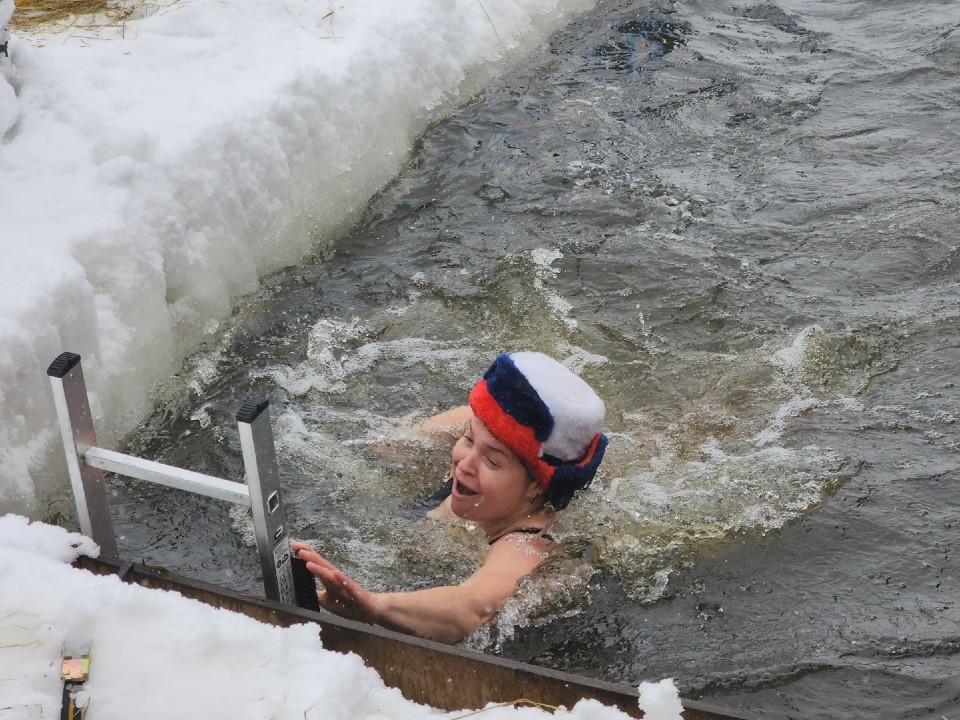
(526, 530)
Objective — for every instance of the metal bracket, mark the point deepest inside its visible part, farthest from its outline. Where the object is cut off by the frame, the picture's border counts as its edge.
(74, 672)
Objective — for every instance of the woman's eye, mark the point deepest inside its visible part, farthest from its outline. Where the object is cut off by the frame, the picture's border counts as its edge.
(491, 462)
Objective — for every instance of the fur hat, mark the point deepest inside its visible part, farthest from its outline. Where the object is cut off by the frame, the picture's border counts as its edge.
(548, 416)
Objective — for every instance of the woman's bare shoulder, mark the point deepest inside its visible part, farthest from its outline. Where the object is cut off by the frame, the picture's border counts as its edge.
(442, 511)
(517, 554)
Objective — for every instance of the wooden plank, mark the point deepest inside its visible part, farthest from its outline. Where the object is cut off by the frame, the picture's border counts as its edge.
(442, 676)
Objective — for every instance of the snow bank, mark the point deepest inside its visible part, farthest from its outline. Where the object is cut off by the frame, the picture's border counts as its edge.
(660, 700)
(157, 655)
(151, 173)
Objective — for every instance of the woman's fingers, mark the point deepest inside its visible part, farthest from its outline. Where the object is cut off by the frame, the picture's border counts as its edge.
(299, 547)
(340, 594)
(317, 560)
(336, 583)
(347, 586)
(324, 574)
(343, 595)
(311, 556)
(307, 553)
(317, 563)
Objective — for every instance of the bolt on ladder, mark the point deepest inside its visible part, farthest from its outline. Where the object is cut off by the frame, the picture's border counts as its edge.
(87, 463)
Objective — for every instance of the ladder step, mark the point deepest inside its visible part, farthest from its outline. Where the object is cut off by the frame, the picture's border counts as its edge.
(168, 475)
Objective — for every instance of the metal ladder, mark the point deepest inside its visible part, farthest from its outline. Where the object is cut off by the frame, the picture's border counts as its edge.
(87, 463)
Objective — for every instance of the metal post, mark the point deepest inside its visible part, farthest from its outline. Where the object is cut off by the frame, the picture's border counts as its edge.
(76, 427)
(266, 504)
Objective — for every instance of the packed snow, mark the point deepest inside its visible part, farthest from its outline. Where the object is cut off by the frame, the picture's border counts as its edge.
(151, 171)
(156, 654)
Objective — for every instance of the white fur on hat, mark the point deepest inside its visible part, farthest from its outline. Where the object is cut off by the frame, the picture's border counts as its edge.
(577, 410)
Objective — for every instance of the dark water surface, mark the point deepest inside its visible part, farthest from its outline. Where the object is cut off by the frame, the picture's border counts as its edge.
(739, 222)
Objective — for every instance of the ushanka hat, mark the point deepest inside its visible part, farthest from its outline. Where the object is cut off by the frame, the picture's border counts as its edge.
(548, 416)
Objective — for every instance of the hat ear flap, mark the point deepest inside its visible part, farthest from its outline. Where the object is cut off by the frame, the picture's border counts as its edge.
(569, 479)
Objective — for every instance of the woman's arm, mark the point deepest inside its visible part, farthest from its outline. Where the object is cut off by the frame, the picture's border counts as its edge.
(448, 424)
(446, 614)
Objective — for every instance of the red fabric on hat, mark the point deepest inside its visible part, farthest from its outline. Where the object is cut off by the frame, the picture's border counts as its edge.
(517, 437)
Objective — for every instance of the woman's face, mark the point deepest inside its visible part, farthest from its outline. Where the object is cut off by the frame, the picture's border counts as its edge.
(491, 486)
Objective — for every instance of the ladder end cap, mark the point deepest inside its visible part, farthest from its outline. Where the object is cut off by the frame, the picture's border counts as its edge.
(251, 409)
(65, 362)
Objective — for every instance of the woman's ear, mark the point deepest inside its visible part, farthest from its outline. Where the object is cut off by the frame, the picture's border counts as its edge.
(533, 488)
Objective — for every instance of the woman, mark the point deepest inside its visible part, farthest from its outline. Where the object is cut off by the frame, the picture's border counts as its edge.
(531, 441)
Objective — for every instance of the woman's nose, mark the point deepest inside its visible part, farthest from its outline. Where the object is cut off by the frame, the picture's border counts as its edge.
(468, 462)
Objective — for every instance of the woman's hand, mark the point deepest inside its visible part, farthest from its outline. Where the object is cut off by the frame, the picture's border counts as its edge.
(341, 595)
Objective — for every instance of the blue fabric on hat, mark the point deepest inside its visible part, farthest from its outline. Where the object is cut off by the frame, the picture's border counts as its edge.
(516, 396)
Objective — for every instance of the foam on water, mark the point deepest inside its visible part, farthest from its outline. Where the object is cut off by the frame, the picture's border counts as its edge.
(711, 473)
(336, 350)
(543, 260)
(560, 587)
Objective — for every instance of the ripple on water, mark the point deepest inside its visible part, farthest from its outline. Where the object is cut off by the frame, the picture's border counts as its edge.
(633, 43)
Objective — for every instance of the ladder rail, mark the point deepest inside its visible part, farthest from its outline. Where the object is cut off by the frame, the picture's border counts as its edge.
(267, 509)
(78, 435)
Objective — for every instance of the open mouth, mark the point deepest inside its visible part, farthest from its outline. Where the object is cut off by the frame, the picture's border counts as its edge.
(463, 489)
